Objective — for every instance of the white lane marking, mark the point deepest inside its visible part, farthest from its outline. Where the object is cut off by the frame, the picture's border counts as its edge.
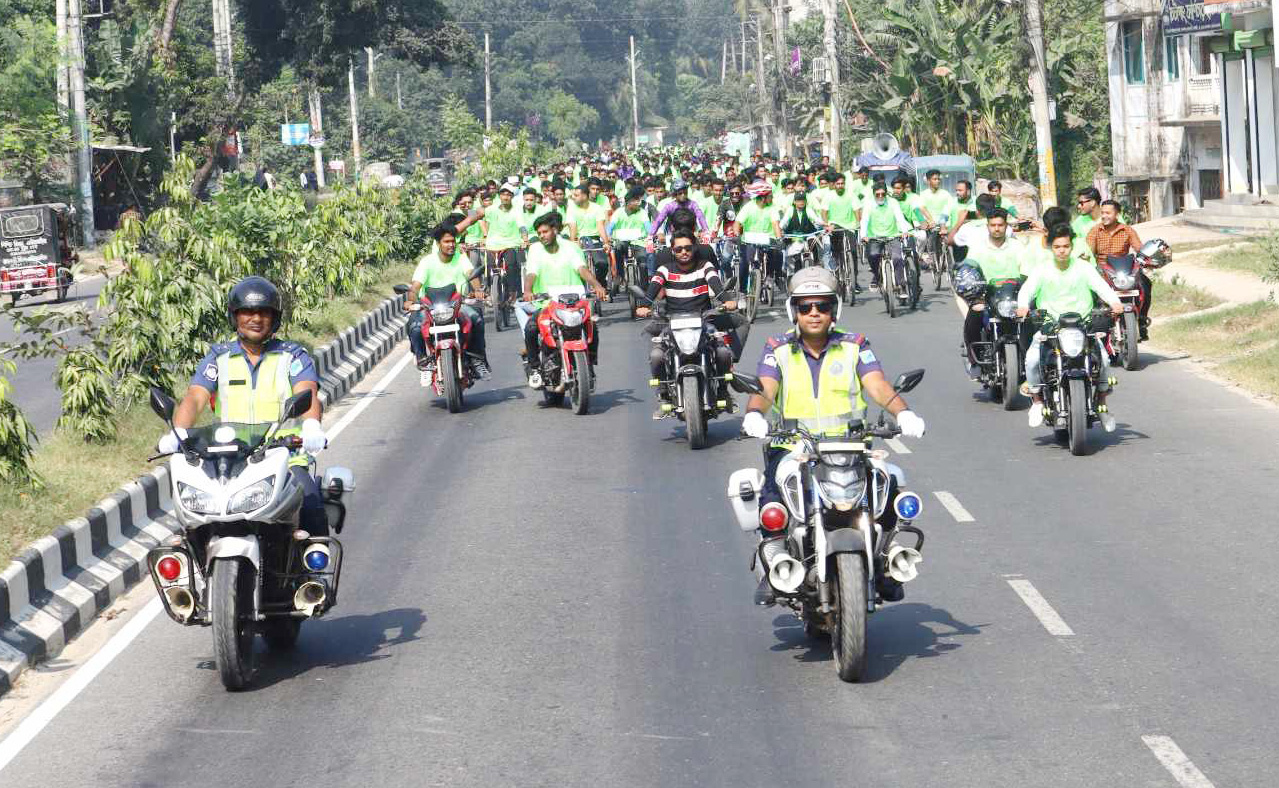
(896, 446)
(35, 722)
(367, 399)
(1043, 611)
(1175, 761)
(953, 506)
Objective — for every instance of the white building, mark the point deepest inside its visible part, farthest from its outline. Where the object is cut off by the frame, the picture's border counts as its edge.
(1193, 92)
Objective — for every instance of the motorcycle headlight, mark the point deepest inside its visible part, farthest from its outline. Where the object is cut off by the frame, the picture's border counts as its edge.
(251, 498)
(571, 318)
(1122, 281)
(1071, 341)
(687, 339)
(196, 500)
(442, 314)
(1006, 308)
(846, 485)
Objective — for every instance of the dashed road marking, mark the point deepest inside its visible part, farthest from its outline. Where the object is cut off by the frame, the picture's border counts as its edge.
(1175, 761)
(1043, 611)
(896, 446)
(953, 506)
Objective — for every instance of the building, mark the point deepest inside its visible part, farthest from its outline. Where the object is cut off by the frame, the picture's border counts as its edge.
(1192, 102)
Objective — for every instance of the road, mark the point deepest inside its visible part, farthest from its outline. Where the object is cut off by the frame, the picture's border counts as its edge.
(533, 598)
(34, 390)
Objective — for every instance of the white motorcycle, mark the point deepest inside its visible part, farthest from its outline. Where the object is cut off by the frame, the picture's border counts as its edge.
(241, 564)
(826, 547)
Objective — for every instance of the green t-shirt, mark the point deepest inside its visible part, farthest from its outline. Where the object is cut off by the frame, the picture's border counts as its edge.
(819, 199)
(757, 219)
(628, 227)
(883, 219)
(710, 209)
(474, 233)
(1009, 261)
(433, 272)
(504, 228)
(1007, 205)
(586, 220)
(555, 270)
(1059, 292)
(841, 209)
(1081, 224)
(525, 218)
(940, 204)
(909, 203)
(963, 209)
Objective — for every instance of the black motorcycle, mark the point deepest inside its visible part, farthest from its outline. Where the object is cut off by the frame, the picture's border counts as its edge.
(999, 355)
(1071, 367)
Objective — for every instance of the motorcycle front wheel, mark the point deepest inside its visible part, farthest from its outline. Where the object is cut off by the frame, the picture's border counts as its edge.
(1077, 426)
(581, 386)
(233, 626)
(694, 416)
(1012, 369)
(448, 374)
(1132, 334)
(848, 641)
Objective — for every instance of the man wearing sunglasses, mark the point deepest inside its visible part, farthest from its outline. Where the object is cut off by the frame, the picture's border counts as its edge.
(820, 376)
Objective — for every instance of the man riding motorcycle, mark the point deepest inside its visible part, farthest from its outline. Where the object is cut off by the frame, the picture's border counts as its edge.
(553, 262)
(819, 375)
(443, 266)
(248, 379)
(1000, 259)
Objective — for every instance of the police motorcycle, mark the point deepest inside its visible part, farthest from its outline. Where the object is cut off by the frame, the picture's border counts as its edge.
(1071, 371)
(999, 355)
(241, 564)
(826, 548)
(699, 383)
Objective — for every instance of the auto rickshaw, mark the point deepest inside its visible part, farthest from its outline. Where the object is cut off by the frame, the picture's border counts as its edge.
(36, 252)
(953, 169)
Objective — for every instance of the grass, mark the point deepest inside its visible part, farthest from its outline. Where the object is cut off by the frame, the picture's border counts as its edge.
(1175, 297)
(77, 475)
(1246, 259)
(1242, 343)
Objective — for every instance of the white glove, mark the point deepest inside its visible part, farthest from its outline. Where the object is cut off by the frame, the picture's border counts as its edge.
(755, 425)
(313, 437)
(170, 442)
(911, 425)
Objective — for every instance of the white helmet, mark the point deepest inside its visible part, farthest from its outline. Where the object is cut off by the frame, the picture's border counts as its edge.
(813, 281)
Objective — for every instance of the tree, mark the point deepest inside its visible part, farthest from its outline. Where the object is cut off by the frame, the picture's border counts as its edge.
(567, 118)
(461, 128)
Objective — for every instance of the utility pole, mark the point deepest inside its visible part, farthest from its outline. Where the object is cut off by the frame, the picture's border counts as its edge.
(222, 50)
(355, 116)
(743, 47)
(488, 86)
(64, 87)
(1039, 106)
(317, 131)
(767, 120)
(372, 86)
(399, 97)
(634, 97)
(80, 126)
(828, 43)
(723, 63)
(779, 47)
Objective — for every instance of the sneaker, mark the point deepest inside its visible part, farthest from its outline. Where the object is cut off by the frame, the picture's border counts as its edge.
(425, 362)
(890, 590)
(659, 414)
(425, 377)
(764, 596)
(1035, 418)
(972, 370)
(535, 380)
(858, 289)
(1107, 421)
(481, 368)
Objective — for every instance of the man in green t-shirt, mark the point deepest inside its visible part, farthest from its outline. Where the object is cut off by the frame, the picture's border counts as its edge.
(445, 266)
(1000, 260)
(553, 262)
(504, 237)
(587, 225)
(756, 225)
(883, 226)
(843, 207)
(996, 188)
(1088, 201)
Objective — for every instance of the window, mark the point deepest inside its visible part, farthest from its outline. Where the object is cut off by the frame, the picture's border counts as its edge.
(1134, 52)
(1172, 59)
(1201, 60)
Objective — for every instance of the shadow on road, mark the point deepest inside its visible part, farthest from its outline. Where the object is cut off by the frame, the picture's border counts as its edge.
(896, 633)
(1098, 439)
(336, 643)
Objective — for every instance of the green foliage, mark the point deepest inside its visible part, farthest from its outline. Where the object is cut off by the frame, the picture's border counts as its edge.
(31, 151)
(88, 404)
(567, 118)
(17, 438)
(461, 128)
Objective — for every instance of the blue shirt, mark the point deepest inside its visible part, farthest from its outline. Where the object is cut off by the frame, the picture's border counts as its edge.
(866, 361)
(301, 367)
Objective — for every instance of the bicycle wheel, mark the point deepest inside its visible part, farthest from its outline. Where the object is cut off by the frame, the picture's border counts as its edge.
(939, 265)
(754, 285)
(495, 299)
(888, 286)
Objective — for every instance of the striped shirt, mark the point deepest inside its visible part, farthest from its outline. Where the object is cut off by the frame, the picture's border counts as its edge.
(686, 291)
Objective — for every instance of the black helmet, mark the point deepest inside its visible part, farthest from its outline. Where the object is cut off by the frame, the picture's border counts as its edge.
(254, 292)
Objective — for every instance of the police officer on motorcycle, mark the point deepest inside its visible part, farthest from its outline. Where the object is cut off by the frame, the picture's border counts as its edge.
(820, 376)
(248, 379)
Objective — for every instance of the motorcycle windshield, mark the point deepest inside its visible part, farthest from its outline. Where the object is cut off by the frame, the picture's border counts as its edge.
(441, 296)
(226, 438)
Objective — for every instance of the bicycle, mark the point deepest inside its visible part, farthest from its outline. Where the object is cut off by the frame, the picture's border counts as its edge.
(500, 295)
(892, 290)
(632, 276)
(846, 264)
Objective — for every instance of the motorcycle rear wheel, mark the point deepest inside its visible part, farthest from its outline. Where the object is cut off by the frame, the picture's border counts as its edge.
(452, 385)
(1132, 334)
(1077, 426)
(694, 416)
(233, 626)
(1012, 376)
(848, 641)
(581, 386)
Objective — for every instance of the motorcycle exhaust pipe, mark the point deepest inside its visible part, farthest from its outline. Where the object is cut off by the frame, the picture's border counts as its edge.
(785, 574)
(180, 601)
(309, 596)
(902, 563)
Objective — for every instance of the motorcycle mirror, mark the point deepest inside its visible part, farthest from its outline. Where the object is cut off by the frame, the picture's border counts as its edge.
(746, 384)
(162, 403)
(297, 404)
(400, 289)
(907, 381)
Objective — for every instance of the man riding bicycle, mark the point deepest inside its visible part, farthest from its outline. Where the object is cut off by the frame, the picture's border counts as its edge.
(883, 226)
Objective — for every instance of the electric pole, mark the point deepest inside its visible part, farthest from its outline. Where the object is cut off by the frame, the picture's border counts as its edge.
(779, 47)
(372, 85)
(80, 126)
(222, 41)
(488, 86)
(399, 97)
(355, 116)
(723, 63)
(767, 120)
(634, 97)
(828, 43)
(317, 134)
(1039, 107)
(64, 87)
(743, 47)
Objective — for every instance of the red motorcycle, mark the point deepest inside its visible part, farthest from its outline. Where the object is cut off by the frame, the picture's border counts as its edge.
(1121, 273)
(567, 330)
(447, 331)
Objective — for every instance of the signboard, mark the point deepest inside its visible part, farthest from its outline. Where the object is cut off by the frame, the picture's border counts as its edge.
(337, 165)
(316, 141)
(1189, 16)
(738, 144)
(28, 237)
(295, 133)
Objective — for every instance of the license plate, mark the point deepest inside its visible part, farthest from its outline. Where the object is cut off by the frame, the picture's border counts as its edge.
(449, 329)
(1129, 293)
(678, 323)
(826, 447)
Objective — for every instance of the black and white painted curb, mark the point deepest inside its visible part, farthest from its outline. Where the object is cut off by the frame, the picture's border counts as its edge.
(58, 584)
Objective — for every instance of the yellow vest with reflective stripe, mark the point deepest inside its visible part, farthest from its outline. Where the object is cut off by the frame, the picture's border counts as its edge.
(239, 400)
(839, 400)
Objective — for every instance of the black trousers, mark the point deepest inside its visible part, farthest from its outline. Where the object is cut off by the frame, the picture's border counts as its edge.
(312, 518)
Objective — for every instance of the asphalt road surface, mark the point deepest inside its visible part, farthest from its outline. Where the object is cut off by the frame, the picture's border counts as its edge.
(533, 598)
(34, 390)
